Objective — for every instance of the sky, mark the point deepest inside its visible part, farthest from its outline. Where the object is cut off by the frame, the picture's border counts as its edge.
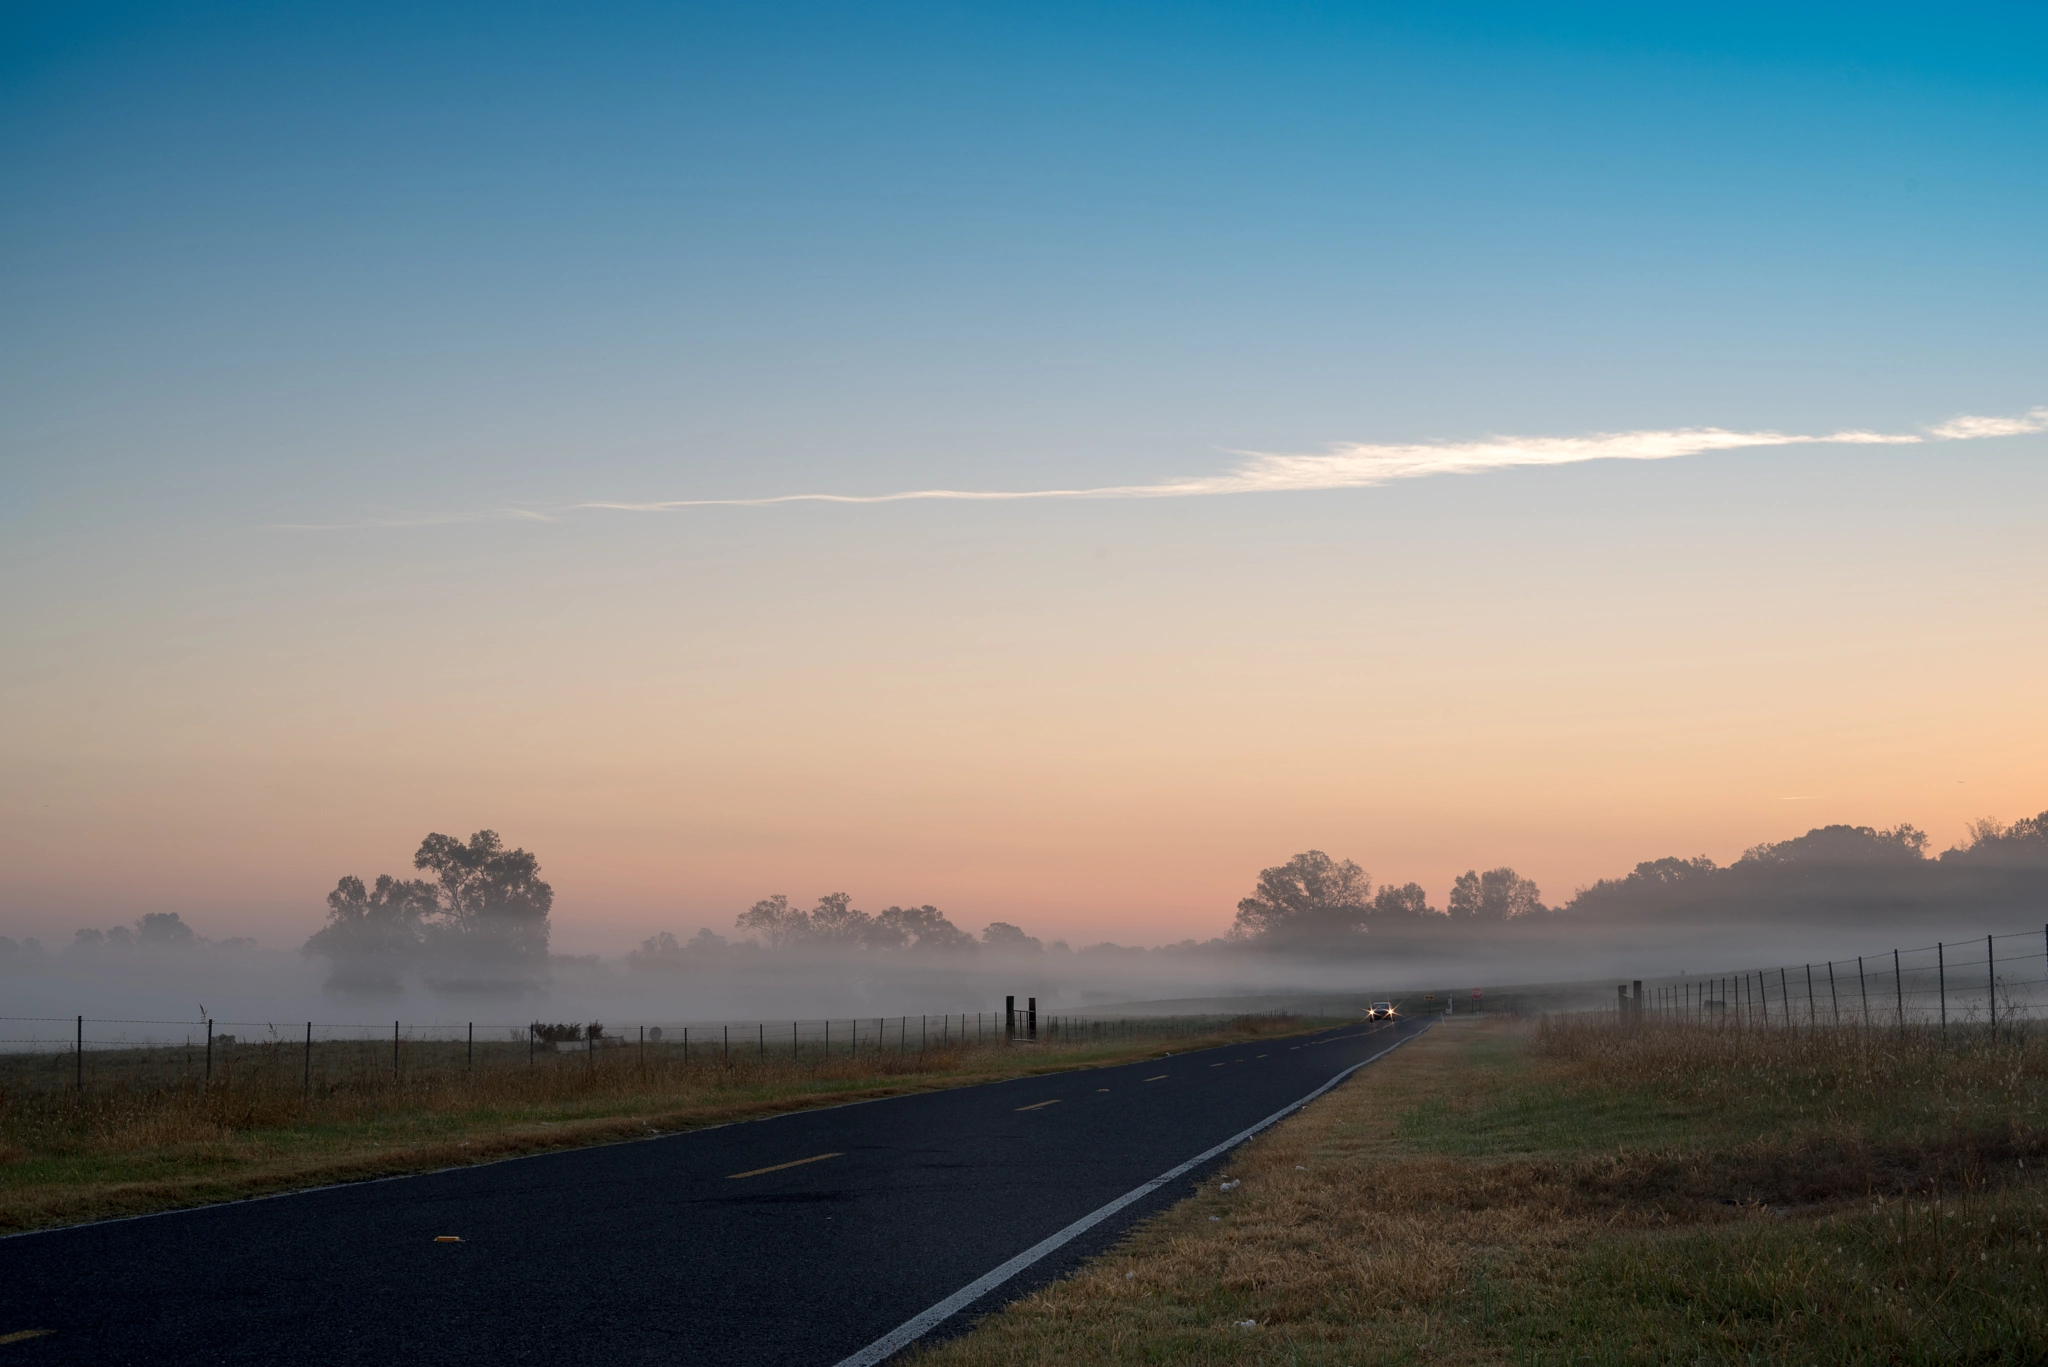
(1446, 436)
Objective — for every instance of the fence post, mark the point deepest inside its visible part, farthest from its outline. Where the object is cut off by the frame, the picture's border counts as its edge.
(529, 1044)
(306, 1085)
(78, 1056)
(209, 1051)
(1031, 1017)
(469, 1051)
(1991, 985)
(1941, 984)
(1899, 987)
(394, 1051)
(1834, 1002)
(1621, 1003)
(1812, 1017)
(761, 1039)
(728, 1046)
(1763, 994)
(1009, 1019)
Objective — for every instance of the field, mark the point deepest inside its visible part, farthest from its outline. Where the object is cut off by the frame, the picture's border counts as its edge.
(151, 1129)
(1576, 1191)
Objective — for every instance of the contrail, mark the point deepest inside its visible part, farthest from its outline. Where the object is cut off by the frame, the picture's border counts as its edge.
(1359, 465)
(1347, 465)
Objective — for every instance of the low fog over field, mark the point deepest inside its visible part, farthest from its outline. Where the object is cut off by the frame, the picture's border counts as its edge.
(467, 939)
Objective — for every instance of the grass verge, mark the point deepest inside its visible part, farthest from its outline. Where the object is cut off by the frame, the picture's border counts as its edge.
(1579, 1193)
(144, 1137)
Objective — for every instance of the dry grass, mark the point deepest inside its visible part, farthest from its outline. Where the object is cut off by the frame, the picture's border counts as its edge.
(151, 1132)
(1580, 1193)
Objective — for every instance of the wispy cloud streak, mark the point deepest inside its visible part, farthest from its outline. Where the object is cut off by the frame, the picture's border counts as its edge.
(1360, 465)
(1349, 465)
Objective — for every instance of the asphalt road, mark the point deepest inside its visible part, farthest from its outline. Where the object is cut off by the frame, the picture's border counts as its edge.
(797, 1239)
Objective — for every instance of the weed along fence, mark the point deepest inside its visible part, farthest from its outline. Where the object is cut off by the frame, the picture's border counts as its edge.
(81, 1053)
(1983, 983)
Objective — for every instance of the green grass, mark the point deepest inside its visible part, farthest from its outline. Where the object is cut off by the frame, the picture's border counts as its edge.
(1582, 1193)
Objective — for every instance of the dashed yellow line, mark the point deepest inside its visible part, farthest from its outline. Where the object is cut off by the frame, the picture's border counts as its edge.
(778, 1167)
(18, 1335)
(1161, 1078)
(1036, 1105)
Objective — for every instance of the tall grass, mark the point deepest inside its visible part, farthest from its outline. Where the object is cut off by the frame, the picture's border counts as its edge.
(1580, 1190)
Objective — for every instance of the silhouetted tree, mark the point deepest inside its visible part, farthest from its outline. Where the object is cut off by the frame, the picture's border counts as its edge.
(1311, 898)
(481, 921)
(1395, 908)
(775, 923)
(1838, 845)
(1002, 936)
(1993, 844)
(491, 927)
(372, 936)
(921, 928)
(837, 924)
(1494, 896)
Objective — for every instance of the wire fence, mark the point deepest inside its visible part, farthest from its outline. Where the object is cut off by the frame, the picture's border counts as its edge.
(81, 1052)
(1988, 983)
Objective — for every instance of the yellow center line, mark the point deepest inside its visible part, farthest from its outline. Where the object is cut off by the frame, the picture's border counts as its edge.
(18, 1335)
(1035, 1105)
(778, 1167)
(1219, 1065)
(1161, 1078)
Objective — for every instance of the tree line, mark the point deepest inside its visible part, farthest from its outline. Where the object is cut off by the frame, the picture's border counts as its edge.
(1831, 874)
(480, 919)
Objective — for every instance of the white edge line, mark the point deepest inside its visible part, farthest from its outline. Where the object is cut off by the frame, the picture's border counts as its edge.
(915, 1328)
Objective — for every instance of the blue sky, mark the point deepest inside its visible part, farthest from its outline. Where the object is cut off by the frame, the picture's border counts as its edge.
(328, 257)
(271, 266)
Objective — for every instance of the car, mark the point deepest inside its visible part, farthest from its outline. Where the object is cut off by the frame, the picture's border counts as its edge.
(1381, 1011)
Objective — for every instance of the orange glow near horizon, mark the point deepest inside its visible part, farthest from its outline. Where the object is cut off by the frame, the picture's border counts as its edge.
(1015, 728)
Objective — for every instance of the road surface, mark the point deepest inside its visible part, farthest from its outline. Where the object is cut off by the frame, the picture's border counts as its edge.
(798, 1239)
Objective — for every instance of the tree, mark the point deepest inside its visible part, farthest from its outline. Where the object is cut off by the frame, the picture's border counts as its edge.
(1494, 896)
(836, 923)
(1312, 898)
(921, 928)
(1405, 903)
(372, 936)
(1001, 935)
(481, 920)
(775, 923)
(491, 925)
(1993, 843)
(1838, 845)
